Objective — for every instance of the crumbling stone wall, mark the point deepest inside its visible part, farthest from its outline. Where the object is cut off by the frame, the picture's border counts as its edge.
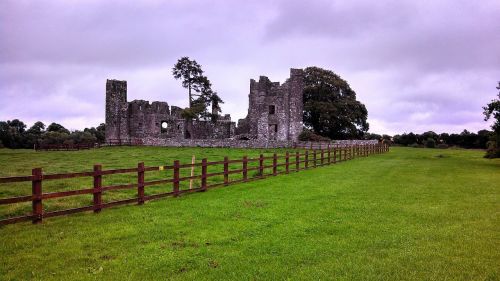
(275, 111)
(252, 143)
(140, 119)
(274, 119)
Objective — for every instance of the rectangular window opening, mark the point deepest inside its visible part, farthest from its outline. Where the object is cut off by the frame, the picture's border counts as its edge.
(272, 109)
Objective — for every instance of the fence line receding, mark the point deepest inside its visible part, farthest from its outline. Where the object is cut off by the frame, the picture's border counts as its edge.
(213, 174)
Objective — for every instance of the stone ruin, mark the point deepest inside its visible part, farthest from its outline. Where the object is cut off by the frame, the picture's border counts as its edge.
(274, 114)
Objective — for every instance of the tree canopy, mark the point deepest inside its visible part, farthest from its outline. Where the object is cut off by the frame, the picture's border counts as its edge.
(13, 134)
(201, 95)
(330, 106)
(492, 110)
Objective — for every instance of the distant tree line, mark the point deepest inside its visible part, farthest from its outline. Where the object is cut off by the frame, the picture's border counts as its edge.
(481, 140)
(14, 134)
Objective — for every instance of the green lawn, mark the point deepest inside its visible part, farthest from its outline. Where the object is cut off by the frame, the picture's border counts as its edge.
(410, 214)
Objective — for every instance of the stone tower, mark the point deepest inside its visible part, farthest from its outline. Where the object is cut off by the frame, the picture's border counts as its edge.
(296, 103)
(275, 111)
(116, 108)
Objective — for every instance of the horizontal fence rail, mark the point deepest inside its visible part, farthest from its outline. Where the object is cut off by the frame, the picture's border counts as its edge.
(289, 162)
(67, 147)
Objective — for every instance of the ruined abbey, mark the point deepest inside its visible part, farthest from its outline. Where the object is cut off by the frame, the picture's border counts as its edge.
(274, 115)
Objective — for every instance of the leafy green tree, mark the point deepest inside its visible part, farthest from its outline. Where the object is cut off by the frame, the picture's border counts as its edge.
(201, 95)
(430, 143)
(12, 133)
(492, 110)
(190, 72)
(54, 137)
(98, 133)
(372, 136)
(309, 135)
(34, 134)
(54, 127)
(430, 135)
(444, 137)
(17, 125)
(483, 136)
(37, 129)
(5, 133)
(79, 137)
(330, 106)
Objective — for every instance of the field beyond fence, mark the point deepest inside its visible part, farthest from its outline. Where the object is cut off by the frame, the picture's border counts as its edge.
(181, 177)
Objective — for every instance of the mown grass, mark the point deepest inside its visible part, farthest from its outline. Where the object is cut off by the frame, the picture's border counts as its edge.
(20, 162)
(410, 214)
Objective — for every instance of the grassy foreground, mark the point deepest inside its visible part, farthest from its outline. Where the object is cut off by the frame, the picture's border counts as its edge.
(410, 214)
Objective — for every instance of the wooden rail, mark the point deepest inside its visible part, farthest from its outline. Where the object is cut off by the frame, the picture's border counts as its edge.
(291, 162)
(67, 147)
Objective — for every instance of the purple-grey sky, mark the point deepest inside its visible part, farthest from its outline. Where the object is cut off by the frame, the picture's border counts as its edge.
(416, 65)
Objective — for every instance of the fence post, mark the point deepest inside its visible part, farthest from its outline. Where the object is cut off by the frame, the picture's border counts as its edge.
(226, 170)
(275, 163)
(175, 181)
(97, 193)
(297, 161)
(334, 154)
(322, 156)
(204, 174)
(340, 154)
(314, 158)
(345, 153)
(328, 155)
(261, 165)
(287, 162)
(245, 168)
(140, 183)
(36, 190)
(307, 159)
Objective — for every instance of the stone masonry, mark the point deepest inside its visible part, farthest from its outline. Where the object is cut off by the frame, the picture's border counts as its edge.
(274, 118)
(140, 119)
(275, 111)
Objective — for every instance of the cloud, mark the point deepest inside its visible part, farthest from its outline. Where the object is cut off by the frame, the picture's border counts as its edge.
(417, 66)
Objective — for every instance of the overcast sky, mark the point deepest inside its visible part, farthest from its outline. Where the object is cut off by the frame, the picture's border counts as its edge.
(416, 65)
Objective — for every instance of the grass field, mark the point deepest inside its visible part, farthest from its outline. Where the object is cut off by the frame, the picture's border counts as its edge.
(410, 214)
(20, 162)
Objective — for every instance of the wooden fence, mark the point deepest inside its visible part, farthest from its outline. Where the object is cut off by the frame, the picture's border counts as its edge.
(66, 147)
(326, 144)
(290, 162)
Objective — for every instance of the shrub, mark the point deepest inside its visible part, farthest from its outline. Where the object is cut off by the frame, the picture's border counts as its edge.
(1, 144)
(414, 145)
(430, 143)
(493, 151)
(442, 146)
(309, 135)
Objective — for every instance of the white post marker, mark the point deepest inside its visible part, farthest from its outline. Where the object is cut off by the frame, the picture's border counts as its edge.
(192, 172)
